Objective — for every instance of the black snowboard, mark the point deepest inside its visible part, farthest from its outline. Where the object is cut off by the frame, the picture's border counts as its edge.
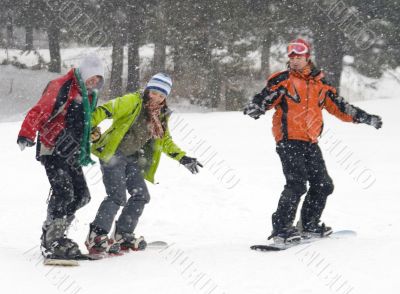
(279, 247)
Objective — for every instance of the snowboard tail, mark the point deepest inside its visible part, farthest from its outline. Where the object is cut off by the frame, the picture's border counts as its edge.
(71, 261)
(60, 262)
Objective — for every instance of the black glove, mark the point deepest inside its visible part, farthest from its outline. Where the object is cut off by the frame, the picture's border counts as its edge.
(259, 99)
(253, 110)
(375, 121)
(24, 142)
(256, 107)
(191, 164)
(372, 120)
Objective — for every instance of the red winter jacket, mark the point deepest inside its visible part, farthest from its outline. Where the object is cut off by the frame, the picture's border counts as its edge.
(48, 116)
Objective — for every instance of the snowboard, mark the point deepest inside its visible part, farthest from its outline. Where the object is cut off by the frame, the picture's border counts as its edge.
(343, 234)
(150, 245)
(157, 244)
(69, 262)
(60, 262)
(91, 257)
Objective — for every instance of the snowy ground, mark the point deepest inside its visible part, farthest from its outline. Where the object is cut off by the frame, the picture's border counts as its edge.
(212, 218)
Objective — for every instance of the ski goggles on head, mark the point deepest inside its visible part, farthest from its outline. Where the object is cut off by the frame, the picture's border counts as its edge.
(297, 48)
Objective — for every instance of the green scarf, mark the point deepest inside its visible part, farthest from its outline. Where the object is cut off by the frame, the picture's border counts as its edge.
(84, 155)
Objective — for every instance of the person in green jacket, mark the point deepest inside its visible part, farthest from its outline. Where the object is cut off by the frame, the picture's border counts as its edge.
(129, 152)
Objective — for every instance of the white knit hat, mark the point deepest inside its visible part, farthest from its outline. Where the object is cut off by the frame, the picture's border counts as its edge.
(160, 82)
(91, 66)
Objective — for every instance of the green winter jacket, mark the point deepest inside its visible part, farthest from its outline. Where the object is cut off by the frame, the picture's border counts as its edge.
(124, 111)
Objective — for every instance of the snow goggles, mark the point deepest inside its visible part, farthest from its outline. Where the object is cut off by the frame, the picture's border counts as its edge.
(297, 48)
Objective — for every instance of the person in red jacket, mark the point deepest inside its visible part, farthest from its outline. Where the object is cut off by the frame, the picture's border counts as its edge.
(298, 95)
(61, 122)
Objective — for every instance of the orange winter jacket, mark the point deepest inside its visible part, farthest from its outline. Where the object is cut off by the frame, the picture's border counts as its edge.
(298, 100)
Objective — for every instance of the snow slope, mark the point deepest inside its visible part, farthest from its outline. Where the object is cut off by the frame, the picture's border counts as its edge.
(212, 218)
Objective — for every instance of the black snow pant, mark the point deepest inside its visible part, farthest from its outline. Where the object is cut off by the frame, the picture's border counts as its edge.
(121, 174)
(69, 192)
(302, 162)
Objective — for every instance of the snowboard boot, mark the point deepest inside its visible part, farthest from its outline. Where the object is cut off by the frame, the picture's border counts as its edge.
(313, 230)
(129, 241)
(97, 242)
(285, 236)
(62, 248)
(54, 243)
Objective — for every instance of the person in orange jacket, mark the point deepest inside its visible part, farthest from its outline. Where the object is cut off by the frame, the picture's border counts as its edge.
(299, 94)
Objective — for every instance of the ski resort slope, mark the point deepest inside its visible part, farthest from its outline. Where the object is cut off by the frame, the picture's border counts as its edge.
(211, 219)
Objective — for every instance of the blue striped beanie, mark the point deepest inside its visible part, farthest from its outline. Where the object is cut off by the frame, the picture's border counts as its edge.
(161, 83)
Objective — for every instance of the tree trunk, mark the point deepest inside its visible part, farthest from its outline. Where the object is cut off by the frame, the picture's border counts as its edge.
(178, 59)
(215, 84)
(117, 68)
(329, 50)
(329, 57)
(134, 34)
(265, 54)
(212, 90)
(28, 38)
(160, 40)
(10, 30)
(133, 82)
(159, 56)
(201, 54)
(53, 33)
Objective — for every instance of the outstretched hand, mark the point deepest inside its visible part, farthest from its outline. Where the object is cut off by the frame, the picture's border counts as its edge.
(191, 164)
(375, 121)
(256, 107)
(371, 119)
(24, 142)
(253, 110)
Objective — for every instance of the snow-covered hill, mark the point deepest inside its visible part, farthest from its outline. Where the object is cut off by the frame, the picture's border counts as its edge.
(211, 219)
